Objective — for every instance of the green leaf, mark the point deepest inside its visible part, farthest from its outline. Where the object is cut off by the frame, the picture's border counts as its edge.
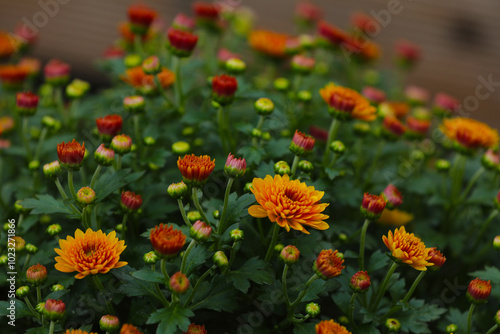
(237, 208)
(488, 274)
(303, 328)
(57, 294)
(131, 286)
(332, 173)
(378, 260)
(45, 204)
(252, 155)
(198, 255)
(253, 270)
(415, 320)
(21, 309)
(218, 296)
(171, 318)
(149, 276)
(114, 180)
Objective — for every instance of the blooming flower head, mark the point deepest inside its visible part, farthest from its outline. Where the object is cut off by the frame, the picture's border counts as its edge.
(89, 253)
(331, 33)
(223, 88)
(478, 291)
(445, 104)
(71, 154)
(437, 258)
(269, 43)
(408, 54)
(145, 83)
(392, 128)
(13, 76)
(468, 134)
(301, 143)
(330, 327)
(56, 72)
(328, 264)
(131, 201)
(181, 42)
(372, 206)
(167, 241)
(235, 167)
(408, 248)
(392, 196)
(36, 274)
(195, 169)
(289, 203)
(395, 217)
(109, 125)
(129, 329)
(345, 103)
(140, 17)
(196, 329)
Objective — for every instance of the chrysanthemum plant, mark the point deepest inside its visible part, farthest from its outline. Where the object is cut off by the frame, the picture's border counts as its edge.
(286, 186)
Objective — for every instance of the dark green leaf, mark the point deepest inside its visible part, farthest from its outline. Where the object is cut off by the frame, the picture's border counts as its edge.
(171, 318)
(237, 208)
(149, 276)
(303, 328)
(218, 296)
(21, 309)
(253, 270)
(114, 180)
(45, 204)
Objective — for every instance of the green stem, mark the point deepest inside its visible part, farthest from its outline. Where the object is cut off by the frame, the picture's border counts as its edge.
(26, 261)
(362, 245)
(492, 329)
(283, 285)
(162, 91)
(384, 285)
(137, 134)
(255, 142)
(24, 134)
(163, 265)
(20, 220)
(99, 285)
(65, 196)
(32, 309)
(351, 309)
(52, 326)
(183, 212)
(295, 163)
(95, 176)
(332, 133)
(407, 296)
(41, 140)
(186, 253)
(471, 183)
(303, 293)
(469, 317)
(232, 255)
(221, 225)
(124, 225)
(162, 298)
(38, 294)
(457, 173)
(197, 285)
(118, 161)
(484, 227)
(222, 129)
(138, 45)
(179, 99)
(274, 239)
(70, 184)
(197, 204)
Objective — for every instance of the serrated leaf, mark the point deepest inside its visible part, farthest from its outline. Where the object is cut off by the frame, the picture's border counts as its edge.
(314, 290)
(377, 261)
(114, 180)
(218, 296)
(198, 255)
(253, 270)
(45, 204)
(149, 276)
(417, 317)
(237, 208)
(304, 328)
(21, 309)
(332, 173)
(171, 318)
(488, 274)
(252, 155)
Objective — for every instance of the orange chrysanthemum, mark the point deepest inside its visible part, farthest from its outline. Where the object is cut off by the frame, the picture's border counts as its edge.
(328, 264)
(330, 327)
(347, 103)
(469, 133)
(8, 44)
(167, 241)
(195, 169)
(13, 75)
(137, 78)
(289, 203)
(129, 329)
(89, 253)
(395, 217)
(268, 42)
(128, 35)
(408, 248)
(78, 331)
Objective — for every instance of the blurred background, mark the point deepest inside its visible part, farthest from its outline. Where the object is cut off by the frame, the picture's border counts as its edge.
(459, 38)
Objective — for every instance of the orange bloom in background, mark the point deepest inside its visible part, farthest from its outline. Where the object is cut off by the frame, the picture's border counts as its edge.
(346, 103)
(8, 44)
(408, 248)
(195, 169)
(363, 50)
(196, 329)
(127, 34)
(396, 109)
(289, 203)
(129, 329)
(469, 134)
(89, 253)
(395, 217)
(330, 327)
(13, 75)
(78, 331)
(331, 33)
(268, 42)
(6, 123)
(167, 241)
(138, 79)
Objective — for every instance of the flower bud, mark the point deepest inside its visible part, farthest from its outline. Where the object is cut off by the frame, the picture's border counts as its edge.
(26, 103)
(109, 323)
(478, 291)
(496, 242)
(149, 141)
(196, 329)
(491, 160)
(304, 96)
(54, 309)
(248, 187)
(437, 258)
(302, 64)
(121, 144)
(119, 227)
(497, 318)
(451, 329)
(151, 65)
(77, 88)
(71, 154)
(281, 168)
(109, 125)
(337, 147)
(134, 104)
(177, 190)
(216, 214)
(184, 22)
(372, 206)
(223, 88)
(104, 156)
(392, 196)
(279, 247)
(22, 292)
(56, 72)
(45, 219)
(235, 167)
(188, 131)
(51, 123)
(132, 60)
(264, 106)
(181, 42)
(235, 66)
(281, 84)
(220, 260)
(31, 249)
(180, 148)
(36, 274)
(150, 258)
(193, 216)
(85, 196)
(3, 260)
(360, 282)
(19, 243)
(53, 229)
(256, 133)
(40, 307)
(290, 254)
(306, 166)
(52, 169)
(236, 235)
(443, 165)
(34, 165)
(200, 231)
(361, 128)
(179, 283)
(393, 325)
(130, 201)
(301, 143)
(56, 287)
(328, 264)
(313, 309)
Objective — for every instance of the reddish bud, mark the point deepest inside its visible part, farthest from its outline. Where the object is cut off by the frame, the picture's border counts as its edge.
(372, 206)
(223, 88)
(200, 231)
(179, 283)
(290, 254)
(235, 167)
(478, 291)
(392, 196)
(36, 274)
(301, 143)
(54, 309)
(360, 281)
(182, 43)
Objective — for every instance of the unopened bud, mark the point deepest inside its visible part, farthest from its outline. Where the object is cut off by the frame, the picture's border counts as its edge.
(180, 148)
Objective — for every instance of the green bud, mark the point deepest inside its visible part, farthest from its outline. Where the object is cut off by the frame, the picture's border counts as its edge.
(235, 66)
(361, 128)
(282, 168)
(443, 165)
(149, 141)
(53, 229)
(220, 260)
(304, 96)
(22, 292)
(35, 132)
(236, 234)
(188, 131)
(45, 219)
(193, 216)
(313, 309)
(247, 187)
(198, 142)
(451, 328)
(177, 190)
(281, 84)
(6, 226)
(216, 214)
(40, 307)
(150, 258)
(85, 196)
(343, 320)
(264, 106)
(119, 227)
(134, 104)
(57, 287)
(285, 133)
(132, 60)
(306, 166)
(256, 133)
(393, 325)
(337, 147)
(19, 207)
(266, 136)
(279, 247)
(31, 249)
(153, 166)
(3, 259)
(343, 237)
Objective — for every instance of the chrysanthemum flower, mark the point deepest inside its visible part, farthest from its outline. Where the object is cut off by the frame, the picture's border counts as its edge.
(8, 45)
(196, 329)
(469, 134)
(392, 127)
(195, 169)
(71, 154)
(129, 329)
(331, 33)
(395, 217)
(90, 253)
(181, 42)
(478, 291)
(289, 203)
(372, 206)
(330, 327)
(392, 196)
(269, 43)
(328, 264)
(167, 241)
(346, 103)
(13, 76)
(140, 18)
(445, 104)
(408, 248)
(109, 125)
(301, 143)
(138, 79)
(437, 258)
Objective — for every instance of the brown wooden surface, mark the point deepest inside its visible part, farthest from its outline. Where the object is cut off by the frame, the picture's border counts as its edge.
(459, 38)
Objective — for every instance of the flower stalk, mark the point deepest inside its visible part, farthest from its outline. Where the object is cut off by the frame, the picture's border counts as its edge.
(383, 286)
(274, 239)
(362, 245)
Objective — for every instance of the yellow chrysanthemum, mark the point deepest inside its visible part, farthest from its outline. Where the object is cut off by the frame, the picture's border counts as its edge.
(408, 248)
(89, 253)
(347, 103)
(395, 217)
(469, 133)
(330, 327)
(289, 203)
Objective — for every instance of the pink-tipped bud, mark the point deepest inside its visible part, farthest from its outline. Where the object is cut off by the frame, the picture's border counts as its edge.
(121, 144)
(54, 309)
(179, 283)
(56, 72)
(235, 167)
(373, 94)
(134, 104)
(437, 258)
(109, 323)
(290, 254)
(36, 274)
(445, 104)
(392, 196)
(85, 196)
(52, 169)
(184, 22)
(26, 103)
(151, 65)
(200, 231)
(301, 143)
(130, 201)
(360, 281)
(302, 64)
(417, 95)
(104, 156)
